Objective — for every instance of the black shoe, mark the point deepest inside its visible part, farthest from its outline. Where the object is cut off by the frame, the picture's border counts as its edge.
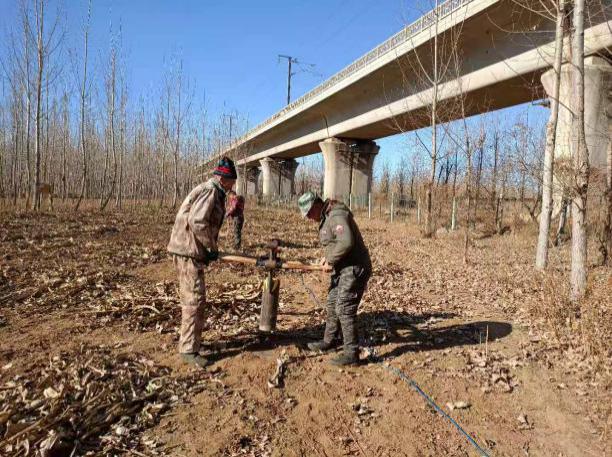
(195, 359)
(321, 346)
(345, 360)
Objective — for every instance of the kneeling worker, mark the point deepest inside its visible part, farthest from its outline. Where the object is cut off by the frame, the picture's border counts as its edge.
(349, 261)
(193, 243)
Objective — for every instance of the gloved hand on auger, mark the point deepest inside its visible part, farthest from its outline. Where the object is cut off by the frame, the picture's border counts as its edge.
(211, 256)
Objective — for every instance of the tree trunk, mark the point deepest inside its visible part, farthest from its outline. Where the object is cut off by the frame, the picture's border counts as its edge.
(65, 140)
(16, 149)
(118, 201)
(551, 139)
(82, 129)
(40, 9)
(468, 192)
(429, 223)
(499, 209)
(112, 88)
(178, 120)
(478, 177)
(28, 94)
(578, 274)
(605, 241)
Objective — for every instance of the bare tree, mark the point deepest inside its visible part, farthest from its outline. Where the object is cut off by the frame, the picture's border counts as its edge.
(83, 99)
(427, 69)
(111, 95)
(385, 179)
(181, 106)
(401, 176)
(122, 145)
(578, 274)
(46, 44)
(65, 143)
(551, 137)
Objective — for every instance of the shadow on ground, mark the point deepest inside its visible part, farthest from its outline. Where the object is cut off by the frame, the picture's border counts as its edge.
(402, 331)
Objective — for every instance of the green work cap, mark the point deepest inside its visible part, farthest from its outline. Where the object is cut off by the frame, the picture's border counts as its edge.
(306, 201)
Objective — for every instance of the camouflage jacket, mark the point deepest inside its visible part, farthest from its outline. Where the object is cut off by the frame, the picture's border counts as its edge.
(341, 238)
(198, 221)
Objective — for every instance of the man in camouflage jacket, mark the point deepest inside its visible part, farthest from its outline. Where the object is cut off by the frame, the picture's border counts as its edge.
(193, 244)
(349, 260)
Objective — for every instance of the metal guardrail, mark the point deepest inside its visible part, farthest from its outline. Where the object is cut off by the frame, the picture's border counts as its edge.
(424, 22)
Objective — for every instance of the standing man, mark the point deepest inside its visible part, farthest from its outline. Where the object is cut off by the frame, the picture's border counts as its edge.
(236, 214)
(349, 261)
(193, 243)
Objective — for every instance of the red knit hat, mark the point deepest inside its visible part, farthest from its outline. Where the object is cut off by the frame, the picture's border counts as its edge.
(226, 168)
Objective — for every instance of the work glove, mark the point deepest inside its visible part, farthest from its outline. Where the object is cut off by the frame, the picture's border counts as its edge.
(211, 256)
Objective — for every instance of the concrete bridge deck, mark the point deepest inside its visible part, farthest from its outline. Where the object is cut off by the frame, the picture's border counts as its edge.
(491, 53)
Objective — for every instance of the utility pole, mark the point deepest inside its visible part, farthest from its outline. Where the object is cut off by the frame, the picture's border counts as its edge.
(231, 117)
(290, 61)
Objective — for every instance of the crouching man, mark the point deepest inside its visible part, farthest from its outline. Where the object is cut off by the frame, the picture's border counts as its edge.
(349, 261)
(193, 243)
(235, 213)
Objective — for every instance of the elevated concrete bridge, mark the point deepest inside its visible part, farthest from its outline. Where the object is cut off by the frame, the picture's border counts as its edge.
(504, 51)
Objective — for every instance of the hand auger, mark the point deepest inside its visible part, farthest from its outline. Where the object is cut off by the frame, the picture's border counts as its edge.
(271, 285)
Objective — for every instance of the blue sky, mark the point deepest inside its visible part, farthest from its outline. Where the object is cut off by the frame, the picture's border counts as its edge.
(229, 48)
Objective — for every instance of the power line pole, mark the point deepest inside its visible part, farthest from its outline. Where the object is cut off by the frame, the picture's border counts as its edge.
(290, 61)
(231, 117)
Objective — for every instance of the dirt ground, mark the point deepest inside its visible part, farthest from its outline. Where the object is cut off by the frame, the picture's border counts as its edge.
(88, 311)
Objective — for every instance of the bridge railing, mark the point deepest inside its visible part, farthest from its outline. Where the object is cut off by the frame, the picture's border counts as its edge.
(424, 22)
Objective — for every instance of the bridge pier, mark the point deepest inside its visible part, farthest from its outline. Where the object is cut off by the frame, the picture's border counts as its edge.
(348, 167)
(597, 119)
(247, 182)
(278, 176)
(252, 181)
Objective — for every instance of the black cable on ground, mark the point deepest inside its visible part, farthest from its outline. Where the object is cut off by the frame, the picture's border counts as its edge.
(433, 404)
(412, 384)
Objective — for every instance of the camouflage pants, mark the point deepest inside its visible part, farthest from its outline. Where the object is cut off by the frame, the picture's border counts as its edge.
(345, 292)
(192, 292)
(238, 223)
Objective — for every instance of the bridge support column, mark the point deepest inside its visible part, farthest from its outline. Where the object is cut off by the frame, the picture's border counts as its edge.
(252, 181)
(278, 176)
(240, 180)
(348, 168)
(597, 119)
(288, 169)
(270, 176)
(246, 184)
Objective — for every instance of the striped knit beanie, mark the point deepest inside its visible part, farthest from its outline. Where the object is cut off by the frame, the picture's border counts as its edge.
(226, 168)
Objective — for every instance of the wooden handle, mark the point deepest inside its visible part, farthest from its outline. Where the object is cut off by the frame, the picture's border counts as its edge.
(238, 259)
(289, 265)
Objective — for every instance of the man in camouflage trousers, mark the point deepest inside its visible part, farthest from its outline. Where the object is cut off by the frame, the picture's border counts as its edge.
(235, 213)
(349, 261)
(193, 244)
